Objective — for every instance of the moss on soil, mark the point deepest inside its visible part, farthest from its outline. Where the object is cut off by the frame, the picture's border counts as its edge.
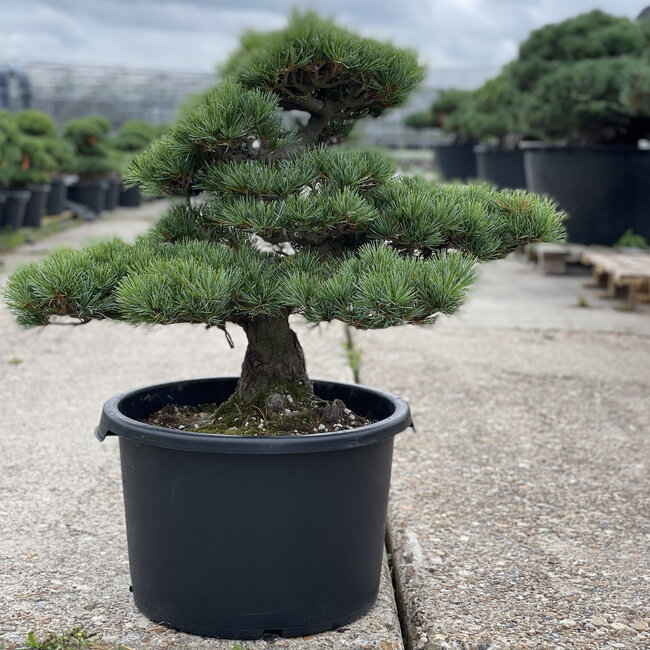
(284, 408)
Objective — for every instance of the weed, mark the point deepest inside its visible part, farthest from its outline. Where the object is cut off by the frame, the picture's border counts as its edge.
(15, 361)
(77, 638)
(582, 302)
(352, 354)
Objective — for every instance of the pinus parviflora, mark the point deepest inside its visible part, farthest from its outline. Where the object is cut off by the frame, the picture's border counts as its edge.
(344, 238)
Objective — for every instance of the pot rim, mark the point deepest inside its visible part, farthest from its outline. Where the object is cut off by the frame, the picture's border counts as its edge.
(92, 183)
(540, 145)
(18, 193)
(453, 145)
(494, 148)
(114, 422)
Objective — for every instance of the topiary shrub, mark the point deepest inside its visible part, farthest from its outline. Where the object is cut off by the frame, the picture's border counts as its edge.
(93, 155)
(494, 112)
(288, 227)
(592, 35)
(452, 112)
(39, 125)
(9, 150)
(135, 135)
(592, 101)
(420, 120)
(36, 164)
(32, 122)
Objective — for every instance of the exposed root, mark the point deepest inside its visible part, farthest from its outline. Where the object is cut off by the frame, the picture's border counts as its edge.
(282, 409)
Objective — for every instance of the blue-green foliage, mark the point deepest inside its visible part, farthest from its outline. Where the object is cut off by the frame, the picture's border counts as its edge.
(287, 225)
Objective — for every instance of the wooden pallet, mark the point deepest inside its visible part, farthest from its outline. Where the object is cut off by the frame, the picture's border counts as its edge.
(553, 258)
(620, 274)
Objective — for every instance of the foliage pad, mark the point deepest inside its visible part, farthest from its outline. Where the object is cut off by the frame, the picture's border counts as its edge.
(288, 226)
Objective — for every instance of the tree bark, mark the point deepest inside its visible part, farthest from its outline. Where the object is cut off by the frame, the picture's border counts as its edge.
(273, 353)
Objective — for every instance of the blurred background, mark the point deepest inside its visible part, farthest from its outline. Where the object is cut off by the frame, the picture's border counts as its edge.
(138, 59)
(85, 86)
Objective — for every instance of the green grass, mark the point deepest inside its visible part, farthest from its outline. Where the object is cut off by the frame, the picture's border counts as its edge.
(10, 239)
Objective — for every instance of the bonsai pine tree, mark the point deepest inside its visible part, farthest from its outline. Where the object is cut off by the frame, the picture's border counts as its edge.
(288, 226)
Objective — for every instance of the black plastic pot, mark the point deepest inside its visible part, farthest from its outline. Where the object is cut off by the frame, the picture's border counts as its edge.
(605, 189)
(56, 197)
(455, 161)
(113, 193)
(130, 196)
(236, 536)
(503, 167)
(89, 193)
(2, 209)
(14, 208)
(35, 208)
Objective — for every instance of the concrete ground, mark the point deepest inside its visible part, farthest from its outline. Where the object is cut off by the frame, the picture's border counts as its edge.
(519, 513)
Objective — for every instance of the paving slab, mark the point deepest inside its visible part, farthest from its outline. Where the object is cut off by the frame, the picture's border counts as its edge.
(63, 555)
(520, 510)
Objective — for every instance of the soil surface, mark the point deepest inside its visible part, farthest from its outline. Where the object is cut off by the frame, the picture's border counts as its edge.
(279, 414)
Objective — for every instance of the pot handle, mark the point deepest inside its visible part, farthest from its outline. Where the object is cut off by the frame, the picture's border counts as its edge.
(102, 431)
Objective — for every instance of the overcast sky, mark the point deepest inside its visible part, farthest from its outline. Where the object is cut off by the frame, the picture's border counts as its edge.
(194, 35)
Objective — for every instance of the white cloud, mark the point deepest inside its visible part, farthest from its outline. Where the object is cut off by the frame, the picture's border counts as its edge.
(195, 34)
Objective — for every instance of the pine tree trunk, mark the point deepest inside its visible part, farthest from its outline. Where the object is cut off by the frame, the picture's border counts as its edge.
(273, 353)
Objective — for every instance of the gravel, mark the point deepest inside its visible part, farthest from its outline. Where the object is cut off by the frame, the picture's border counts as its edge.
(63, 555)
(519, 513)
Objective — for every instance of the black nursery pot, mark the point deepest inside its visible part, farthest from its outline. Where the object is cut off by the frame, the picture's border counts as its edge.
(35, 208)
(503, 167)
(112, 199)
(237, 536)
(604, 188)
(2, 209)
(56, 197)
(14, 208)
(89, 193)
(130, 196)
(455, 161)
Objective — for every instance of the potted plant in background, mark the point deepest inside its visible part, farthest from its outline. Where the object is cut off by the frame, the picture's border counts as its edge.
(5, 161)
(495, 114)
(33, 173)
(288, 227)
(451, 111)
(14, 200)
(95, 162)
(132, 138)
(41, 126)
(589, 159)
(573, 77)
(62, 151)
(455, 158)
